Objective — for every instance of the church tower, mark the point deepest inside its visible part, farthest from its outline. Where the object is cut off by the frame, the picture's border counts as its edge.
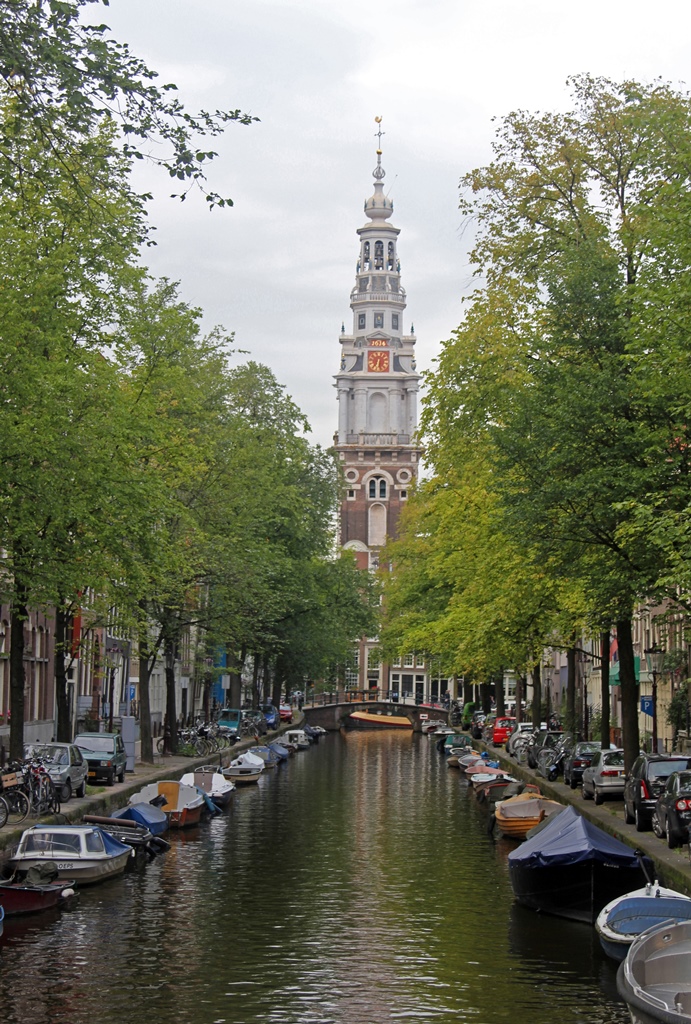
(377, 395)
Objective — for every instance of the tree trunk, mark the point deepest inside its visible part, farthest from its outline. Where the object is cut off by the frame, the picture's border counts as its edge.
(18, 617)
(146, 663)
(485, 698)
(519, 698)
(537, 695)
(235, 671)
(64, 726)
(171, 709)
(255, 680)
(499, 693)
(604, 722)
(629, 693)
(571, 723)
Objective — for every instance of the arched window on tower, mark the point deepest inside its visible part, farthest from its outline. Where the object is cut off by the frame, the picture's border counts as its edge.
(389, 262)
(377, 487)
(366, 265)
(378, 255)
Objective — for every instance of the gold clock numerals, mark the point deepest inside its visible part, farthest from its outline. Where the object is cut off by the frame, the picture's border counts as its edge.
(378, 362)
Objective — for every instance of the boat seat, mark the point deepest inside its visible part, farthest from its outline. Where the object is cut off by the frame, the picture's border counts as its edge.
(170, 791)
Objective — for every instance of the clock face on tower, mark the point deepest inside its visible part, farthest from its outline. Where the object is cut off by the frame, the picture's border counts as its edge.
(378, 362)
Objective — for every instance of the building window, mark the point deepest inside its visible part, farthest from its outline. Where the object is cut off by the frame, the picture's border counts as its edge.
(351, 495)
(366, 257)
(397, 663)
(378, 319)
(420, 661)
(408, 661)
(404, 495)
(394, 321)
(378, 255)
(361, 321)
(377, 487)
(389, 262)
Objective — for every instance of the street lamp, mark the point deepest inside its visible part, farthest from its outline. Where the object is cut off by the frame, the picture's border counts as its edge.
(654, 658)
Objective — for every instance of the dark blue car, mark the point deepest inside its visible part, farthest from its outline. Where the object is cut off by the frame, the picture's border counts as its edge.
(271, 714)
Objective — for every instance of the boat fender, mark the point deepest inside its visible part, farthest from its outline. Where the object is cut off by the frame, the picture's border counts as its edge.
(66, 893)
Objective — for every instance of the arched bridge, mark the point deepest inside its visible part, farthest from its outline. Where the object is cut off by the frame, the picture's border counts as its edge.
(330, 710)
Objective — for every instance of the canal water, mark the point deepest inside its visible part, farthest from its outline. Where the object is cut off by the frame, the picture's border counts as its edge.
(356, 884)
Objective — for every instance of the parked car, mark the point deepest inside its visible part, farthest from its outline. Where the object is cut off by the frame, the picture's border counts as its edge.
(105, 755)
(229, 721)
(488, 728)
(644, 784)
(503, 727)
(253, 720)
(578, 759)
(286, 713)
(604, 776)
(65, 764)
(542, 739)
(672, 815)
(271, 715)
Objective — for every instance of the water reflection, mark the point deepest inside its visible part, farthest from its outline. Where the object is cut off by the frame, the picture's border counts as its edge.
(355, 883)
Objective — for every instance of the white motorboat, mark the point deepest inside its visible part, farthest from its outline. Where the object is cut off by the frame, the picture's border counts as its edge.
(85, 853)
(298, 738)
(212, 781)
(655, 977)
(244, 769)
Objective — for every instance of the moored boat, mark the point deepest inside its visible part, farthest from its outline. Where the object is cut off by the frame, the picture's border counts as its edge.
(432, 725)
(246, 768)
(572, 868)
(655, 978)
(267, 755)
(621, 922)
(213, 782)
(517, 815)
(377, 720)
(84, 853)
(183, 804)
(298, 738)
(37, 892)
(146, 814)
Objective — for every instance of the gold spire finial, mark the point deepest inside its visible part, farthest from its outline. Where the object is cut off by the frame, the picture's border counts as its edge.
(379, 171)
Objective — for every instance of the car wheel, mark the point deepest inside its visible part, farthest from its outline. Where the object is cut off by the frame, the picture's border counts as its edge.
(81, 790)
(599, 797)
(672, 837)
(629, 818)
(121, 776)
(110, 781)
(65, 791)
(585, 794)
(573, 783)
(641, 821)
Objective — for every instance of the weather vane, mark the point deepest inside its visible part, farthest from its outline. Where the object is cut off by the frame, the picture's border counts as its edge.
(378, 171)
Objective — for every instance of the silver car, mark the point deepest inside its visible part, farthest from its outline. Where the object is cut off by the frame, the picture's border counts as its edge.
(66, 766)
(604, 777)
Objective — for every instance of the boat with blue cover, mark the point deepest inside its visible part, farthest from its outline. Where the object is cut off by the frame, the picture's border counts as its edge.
(624, 919)
(572, 868)
(145, 814)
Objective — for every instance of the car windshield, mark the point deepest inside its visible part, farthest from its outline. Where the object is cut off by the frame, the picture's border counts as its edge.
(96, 744)
(685, 781)
(615, 758)
(587, 748)
(47, 752)
(504, 723)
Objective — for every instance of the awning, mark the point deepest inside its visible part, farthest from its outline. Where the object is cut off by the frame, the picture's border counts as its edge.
(614, 671)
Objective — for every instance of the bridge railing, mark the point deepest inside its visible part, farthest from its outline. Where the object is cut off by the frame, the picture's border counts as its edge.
(318, 700)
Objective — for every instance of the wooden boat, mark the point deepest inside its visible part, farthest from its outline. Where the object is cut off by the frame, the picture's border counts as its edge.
(655, 978)
(517, 815)
(458, 739)
(213, 782)
(626, 917)
(572, 868)
(33, 897)
(148, 815)
(491, 791)
(84, 853)
(377, 720)
(182, 804)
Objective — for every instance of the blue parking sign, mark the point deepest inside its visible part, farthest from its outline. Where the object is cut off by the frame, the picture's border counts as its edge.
(647, 705)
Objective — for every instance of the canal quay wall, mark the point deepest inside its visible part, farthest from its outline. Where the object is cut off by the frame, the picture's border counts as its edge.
(672, 867)
(117, 795)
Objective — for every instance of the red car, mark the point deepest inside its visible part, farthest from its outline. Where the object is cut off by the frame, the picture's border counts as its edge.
(503, 727)
(286, 713)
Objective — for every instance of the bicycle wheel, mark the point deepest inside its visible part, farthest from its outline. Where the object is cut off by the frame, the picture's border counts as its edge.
(4, 812)
(18, 805)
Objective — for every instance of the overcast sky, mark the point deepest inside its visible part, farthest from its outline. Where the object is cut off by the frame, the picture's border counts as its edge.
(277, 268)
